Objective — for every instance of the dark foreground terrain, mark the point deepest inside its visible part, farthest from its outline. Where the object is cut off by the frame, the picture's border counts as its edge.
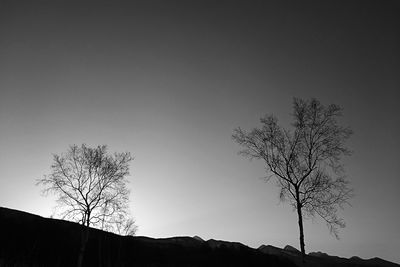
(30, 240)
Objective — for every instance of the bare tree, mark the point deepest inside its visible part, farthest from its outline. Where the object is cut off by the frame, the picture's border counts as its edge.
(121, 222)
(124, 226)
(90, 185)
(305, 161)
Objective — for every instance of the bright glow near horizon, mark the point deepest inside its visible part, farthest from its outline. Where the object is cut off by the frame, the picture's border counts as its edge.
(169, 84)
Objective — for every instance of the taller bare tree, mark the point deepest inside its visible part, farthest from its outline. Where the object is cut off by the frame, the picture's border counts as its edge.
(305, 160)
(90, 185)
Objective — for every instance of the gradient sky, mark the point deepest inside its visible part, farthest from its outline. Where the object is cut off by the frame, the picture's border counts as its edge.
(170, 80)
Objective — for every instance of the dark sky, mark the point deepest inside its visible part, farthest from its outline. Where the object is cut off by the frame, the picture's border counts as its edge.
(170, 80)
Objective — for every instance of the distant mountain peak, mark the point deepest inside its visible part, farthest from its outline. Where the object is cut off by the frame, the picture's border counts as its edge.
(268, 249)
(291, 249)
(198, 238)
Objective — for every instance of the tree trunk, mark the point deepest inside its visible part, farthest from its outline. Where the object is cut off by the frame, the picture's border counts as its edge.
(300, 216)
(84, 240)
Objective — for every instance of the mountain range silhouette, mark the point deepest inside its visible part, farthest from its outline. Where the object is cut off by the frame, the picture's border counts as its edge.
(31, 240)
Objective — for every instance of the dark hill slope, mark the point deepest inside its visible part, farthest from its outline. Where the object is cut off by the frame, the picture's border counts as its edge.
(30, 240)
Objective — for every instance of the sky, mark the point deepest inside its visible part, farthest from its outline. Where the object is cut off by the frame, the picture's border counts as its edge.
(169, 81)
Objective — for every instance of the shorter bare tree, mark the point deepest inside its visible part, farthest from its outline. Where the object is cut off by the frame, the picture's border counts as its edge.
(304, 161)
(90, 185)
(121, 222)
(124, 226)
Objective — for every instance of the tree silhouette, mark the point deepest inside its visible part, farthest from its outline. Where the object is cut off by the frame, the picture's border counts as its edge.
(90, 185)
(305, 161)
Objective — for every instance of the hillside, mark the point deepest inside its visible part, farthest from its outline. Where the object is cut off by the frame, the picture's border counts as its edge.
(31, 240)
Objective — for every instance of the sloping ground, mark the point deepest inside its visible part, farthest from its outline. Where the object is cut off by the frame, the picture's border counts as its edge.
(30, 240)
